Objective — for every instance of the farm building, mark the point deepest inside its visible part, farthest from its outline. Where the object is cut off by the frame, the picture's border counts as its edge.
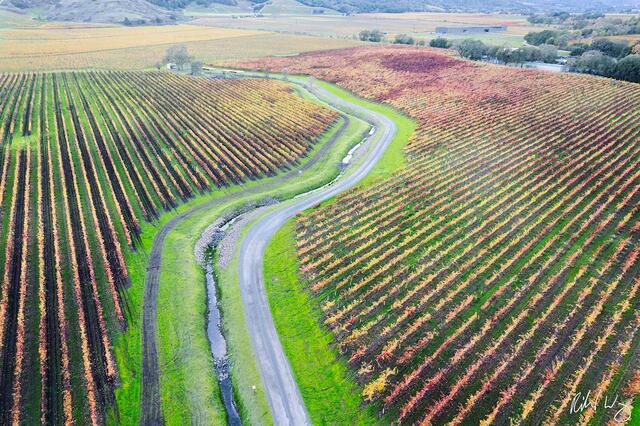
(471, 29)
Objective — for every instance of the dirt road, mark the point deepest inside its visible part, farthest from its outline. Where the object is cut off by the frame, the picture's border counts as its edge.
(287, 406)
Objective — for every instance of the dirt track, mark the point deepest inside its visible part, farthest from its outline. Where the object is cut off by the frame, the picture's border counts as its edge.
(285, 400)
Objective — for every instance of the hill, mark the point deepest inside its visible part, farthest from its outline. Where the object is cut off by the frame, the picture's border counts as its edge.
(495, 276)
(104, 11)
(168, 11)
(360, 6)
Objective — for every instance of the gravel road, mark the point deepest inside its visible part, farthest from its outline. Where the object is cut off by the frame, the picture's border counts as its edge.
(287, 406)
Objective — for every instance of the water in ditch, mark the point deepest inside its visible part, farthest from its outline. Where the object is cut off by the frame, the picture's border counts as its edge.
(219, 347)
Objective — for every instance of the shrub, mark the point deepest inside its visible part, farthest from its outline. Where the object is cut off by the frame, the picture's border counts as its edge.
(440, 43)
(404, 39)
(616, 49)
(375, 36)
(472, 49)
(596, 62)
(628, 69)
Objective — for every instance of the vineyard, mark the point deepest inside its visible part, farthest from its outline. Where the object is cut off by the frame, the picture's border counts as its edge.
(497, 276)
(84, 158)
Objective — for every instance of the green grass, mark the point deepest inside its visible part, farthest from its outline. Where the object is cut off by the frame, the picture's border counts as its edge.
(188, 383)
(329, 391)
(394, 158)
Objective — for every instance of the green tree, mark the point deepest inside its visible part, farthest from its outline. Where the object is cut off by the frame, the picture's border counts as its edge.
(596, 62)
(541, 37)
(615, 49)
(196, 67)
(440, 43)
(528, 54)
(628, 69)
(579, 48)
(472, 49)
(548, 53)
(375, 36)
(504, 55)
(404, 39)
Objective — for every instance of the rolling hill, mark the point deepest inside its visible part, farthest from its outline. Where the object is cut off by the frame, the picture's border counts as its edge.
(360, 6)
(168, 11)
(104, 11)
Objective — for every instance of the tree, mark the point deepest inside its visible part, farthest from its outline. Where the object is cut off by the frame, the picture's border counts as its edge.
(579, 48)
(404, 39)
(548, 53)
(596, 62)
(528, 54)
(472, 49)
(375, 36)
(561, 41)
(615, 49)
(504, 55)
(628, 69)
(440, 43)
(178, 55)
(196, 67)
(541, 37)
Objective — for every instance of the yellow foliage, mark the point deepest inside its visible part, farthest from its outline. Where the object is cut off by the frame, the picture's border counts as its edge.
(378, 385)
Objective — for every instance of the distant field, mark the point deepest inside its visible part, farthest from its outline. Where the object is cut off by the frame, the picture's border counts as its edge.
(631, 38)
(73, 46)
(498, 274)
(420, 25)
(61, 40)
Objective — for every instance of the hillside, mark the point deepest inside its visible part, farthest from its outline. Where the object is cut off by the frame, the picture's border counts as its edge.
(104, 11)
(497, 275)
(169, 11)
(360, 6)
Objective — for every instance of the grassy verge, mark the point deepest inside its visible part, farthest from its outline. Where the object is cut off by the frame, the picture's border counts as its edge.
(329, 391)
(394, 158)
(188, 382)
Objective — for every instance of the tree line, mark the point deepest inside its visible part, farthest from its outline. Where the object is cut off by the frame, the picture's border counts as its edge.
(603, 57)
(593, 61)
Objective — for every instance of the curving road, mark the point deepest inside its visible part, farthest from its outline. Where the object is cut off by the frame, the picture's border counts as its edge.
(150, 406)
(283, 394)
(287, 406)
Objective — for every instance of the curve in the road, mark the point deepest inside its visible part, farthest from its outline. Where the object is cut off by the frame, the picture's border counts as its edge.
(150, 405)
(283, 394)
